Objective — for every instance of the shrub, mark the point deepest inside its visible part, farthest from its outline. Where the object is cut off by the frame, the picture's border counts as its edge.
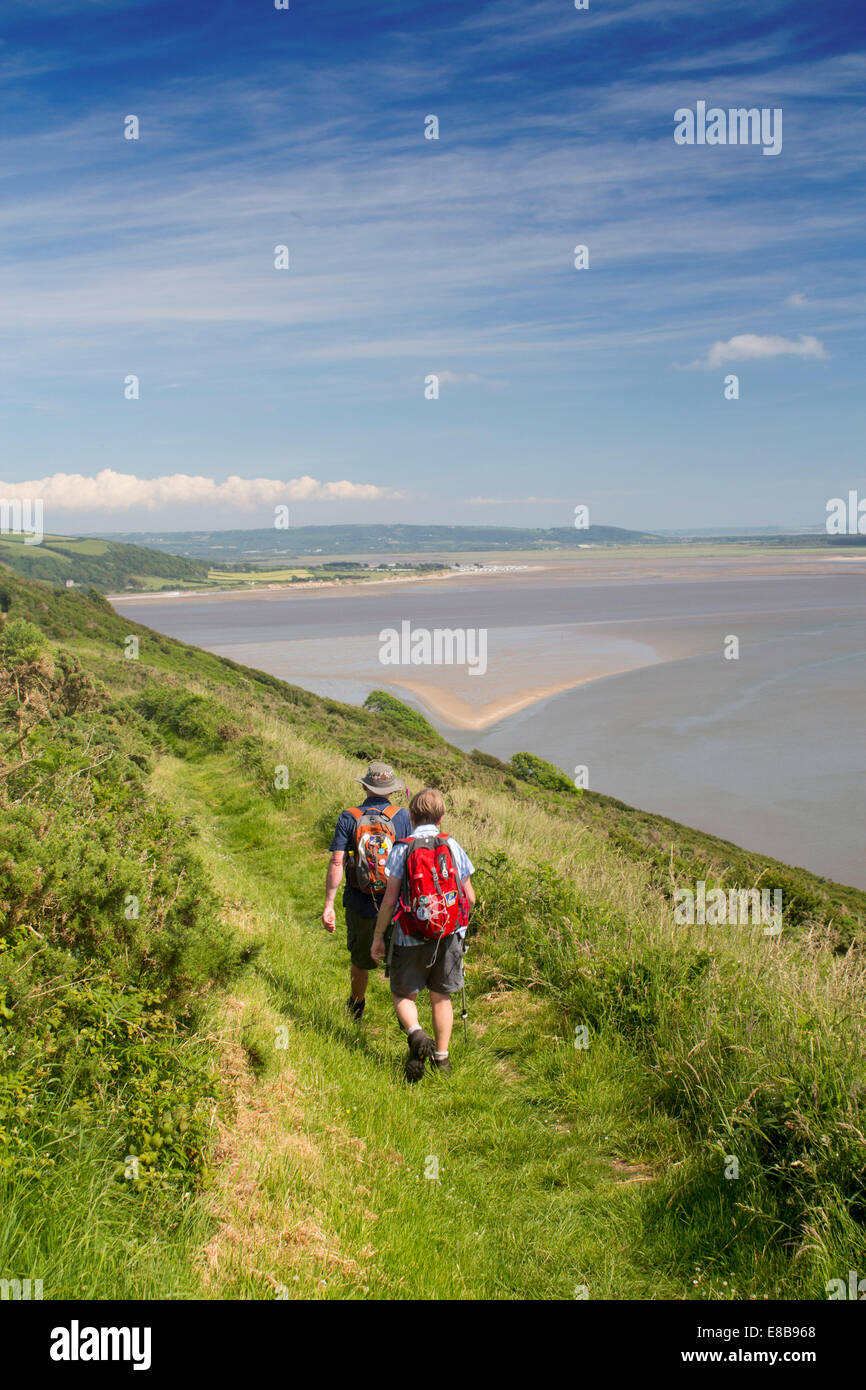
(188, 723)
(530, 768)
(401, 717)
(110, 934)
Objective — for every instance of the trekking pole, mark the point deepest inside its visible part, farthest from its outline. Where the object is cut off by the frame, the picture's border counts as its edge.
(463, 1013)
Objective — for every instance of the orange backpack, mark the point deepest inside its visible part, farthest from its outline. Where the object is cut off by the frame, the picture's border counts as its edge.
(374, 840)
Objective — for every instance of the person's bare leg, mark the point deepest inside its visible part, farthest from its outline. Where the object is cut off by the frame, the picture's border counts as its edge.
(420, 1044)
(359, 982)
(443, 1020)
(406, 1010)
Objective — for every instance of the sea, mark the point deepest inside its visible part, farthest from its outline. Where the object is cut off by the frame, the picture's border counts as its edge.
(731, 703)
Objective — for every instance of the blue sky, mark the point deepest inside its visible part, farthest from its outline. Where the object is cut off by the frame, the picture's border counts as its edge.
(411, 256)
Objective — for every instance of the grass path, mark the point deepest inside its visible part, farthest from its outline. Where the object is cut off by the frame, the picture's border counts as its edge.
(322, 1184)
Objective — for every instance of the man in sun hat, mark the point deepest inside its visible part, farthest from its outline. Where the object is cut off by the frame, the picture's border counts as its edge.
(363, 839)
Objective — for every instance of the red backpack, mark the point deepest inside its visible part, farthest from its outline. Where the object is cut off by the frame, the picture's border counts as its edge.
(374, 840)
(431, 901)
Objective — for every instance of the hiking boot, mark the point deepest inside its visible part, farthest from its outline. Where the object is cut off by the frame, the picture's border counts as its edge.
(442, 1064)
(356, 1007)
(421, 1046)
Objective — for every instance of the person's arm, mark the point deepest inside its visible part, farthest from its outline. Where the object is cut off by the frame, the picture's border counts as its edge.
(464, 866)
(386, 912)
(332, 882)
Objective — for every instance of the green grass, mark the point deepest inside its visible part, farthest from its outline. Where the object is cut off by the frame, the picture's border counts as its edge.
(532, 1131)
(87, 1237)
(526, 1205)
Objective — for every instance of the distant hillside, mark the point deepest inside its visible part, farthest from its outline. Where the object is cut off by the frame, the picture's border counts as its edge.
(372, 540)
(809, 539)
(107, 565)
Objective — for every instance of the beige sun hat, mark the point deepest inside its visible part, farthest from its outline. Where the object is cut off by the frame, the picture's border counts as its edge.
(380, 779)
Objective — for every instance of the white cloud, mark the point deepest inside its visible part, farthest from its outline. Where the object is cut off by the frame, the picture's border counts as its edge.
(796, 300)
(749, 347)
(509, 501)
(457, 378)
(110, 491)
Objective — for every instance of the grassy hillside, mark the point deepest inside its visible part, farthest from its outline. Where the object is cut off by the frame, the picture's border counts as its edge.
(186, 1110)
(268, 544)
(108, 565)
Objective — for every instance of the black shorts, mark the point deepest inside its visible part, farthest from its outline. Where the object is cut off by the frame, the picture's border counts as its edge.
(359, 939)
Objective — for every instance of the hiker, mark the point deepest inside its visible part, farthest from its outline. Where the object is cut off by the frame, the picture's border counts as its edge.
(429, 877)
(365, 833)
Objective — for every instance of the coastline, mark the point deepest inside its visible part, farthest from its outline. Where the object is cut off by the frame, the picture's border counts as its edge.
(590, 567)
(305, 585)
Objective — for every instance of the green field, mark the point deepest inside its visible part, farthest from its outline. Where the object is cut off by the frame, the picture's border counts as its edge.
(320, 573)
(187, 1111)
(271, 576)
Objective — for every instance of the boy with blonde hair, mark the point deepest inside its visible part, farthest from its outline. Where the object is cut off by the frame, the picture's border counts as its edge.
(430, 895)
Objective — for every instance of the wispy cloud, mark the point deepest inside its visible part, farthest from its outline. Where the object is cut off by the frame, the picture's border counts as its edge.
(511, 501)
(458, 378)
(750, 347)
(111, 492)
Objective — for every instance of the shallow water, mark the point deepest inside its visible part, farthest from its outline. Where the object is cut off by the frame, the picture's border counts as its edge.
(768, 750)
(771, 755)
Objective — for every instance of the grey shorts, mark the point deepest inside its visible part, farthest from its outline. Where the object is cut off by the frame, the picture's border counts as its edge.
(436, 965)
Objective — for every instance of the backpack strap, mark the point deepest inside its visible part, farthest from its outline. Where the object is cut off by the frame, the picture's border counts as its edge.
(441, 842)
(408, 841)
(356, 812)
